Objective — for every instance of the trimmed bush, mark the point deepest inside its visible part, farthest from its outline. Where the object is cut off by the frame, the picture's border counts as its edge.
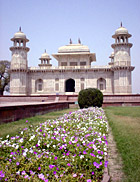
(90, 97)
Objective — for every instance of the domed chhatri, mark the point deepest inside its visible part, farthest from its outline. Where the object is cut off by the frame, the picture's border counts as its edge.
(45, 56)
(121, 31)
(45, 60)
(75, 70)
(20, 35)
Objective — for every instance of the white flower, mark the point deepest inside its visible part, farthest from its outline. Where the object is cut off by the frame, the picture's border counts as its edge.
(32, 137)
(26, 150)
(17, 146)
(31, 151)
(82, 156)
(21, 140)
(18, 172)
(24, 154)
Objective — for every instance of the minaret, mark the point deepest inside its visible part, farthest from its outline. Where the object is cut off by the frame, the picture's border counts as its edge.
(19, 64)
(45, 61)
(122, 62)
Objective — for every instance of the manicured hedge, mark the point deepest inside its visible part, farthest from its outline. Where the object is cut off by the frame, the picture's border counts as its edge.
(90, 97)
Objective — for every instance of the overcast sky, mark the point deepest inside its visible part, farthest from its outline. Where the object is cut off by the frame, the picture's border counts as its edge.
(49, 24)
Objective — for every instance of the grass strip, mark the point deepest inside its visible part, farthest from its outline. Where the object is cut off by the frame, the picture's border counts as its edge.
(125, 124)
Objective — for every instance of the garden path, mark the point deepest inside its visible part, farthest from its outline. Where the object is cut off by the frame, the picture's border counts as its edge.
(114, 160)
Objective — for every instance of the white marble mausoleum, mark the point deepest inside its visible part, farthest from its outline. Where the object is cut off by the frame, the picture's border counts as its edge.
(74, 71)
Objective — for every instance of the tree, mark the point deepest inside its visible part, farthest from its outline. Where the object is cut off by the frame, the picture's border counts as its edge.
(4, 76)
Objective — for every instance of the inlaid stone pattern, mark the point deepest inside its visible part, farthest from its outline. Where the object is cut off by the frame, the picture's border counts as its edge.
(75, 70)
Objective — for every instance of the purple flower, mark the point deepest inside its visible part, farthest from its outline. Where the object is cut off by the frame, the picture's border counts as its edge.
(46, 180)
(68, 164)
(39, 168)
(23, 172)
(92, 154)
(56, 176)
(55, 158)
(54, 172)
(2, 175)
(26, 121)
(81, 176)
(41, 176)
(92, 173)
(89, 180)
(84, 152)
(17, 163)
(51, 166)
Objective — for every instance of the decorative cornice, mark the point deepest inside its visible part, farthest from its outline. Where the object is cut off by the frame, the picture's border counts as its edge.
(121, 44)
(23, 48)
(115, 68)
(18, 70)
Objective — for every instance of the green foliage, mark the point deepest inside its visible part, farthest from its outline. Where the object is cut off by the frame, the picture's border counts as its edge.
(4, 76)
(90, 97)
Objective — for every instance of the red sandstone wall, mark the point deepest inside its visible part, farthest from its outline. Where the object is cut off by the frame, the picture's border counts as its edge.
(13, 113)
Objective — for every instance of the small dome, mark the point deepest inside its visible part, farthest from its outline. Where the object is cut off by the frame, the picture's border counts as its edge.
(121, 30)
(45, 56)
(20, 35)
(71, 48)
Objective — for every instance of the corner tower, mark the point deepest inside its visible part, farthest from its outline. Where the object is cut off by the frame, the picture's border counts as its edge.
(122, 62)
(19, 64)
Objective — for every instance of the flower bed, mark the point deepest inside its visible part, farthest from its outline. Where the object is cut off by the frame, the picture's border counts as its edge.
(71, 148)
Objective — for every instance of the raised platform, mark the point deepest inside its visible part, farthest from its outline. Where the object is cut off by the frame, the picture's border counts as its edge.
(109, 100)
(13, 108)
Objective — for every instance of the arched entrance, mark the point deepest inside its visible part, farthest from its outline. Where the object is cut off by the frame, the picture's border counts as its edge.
(70, 85)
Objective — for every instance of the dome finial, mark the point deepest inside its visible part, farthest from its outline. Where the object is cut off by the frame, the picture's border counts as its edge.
(70, 41)
(20, 29)
(45, 50)
(121, 23)
(79, 41)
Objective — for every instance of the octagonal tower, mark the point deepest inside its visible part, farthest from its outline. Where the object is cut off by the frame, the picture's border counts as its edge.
(122, 62)
(19, 64)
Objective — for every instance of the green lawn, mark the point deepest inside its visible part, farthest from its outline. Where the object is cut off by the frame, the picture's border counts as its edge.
(14, 127)
(125, 124)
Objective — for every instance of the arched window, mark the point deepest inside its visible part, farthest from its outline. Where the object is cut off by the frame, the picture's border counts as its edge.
(39, 85)
(70, 85)
(101, 84)
(122, 39)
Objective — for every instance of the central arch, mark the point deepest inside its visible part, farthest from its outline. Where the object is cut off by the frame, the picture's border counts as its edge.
(70, 85)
